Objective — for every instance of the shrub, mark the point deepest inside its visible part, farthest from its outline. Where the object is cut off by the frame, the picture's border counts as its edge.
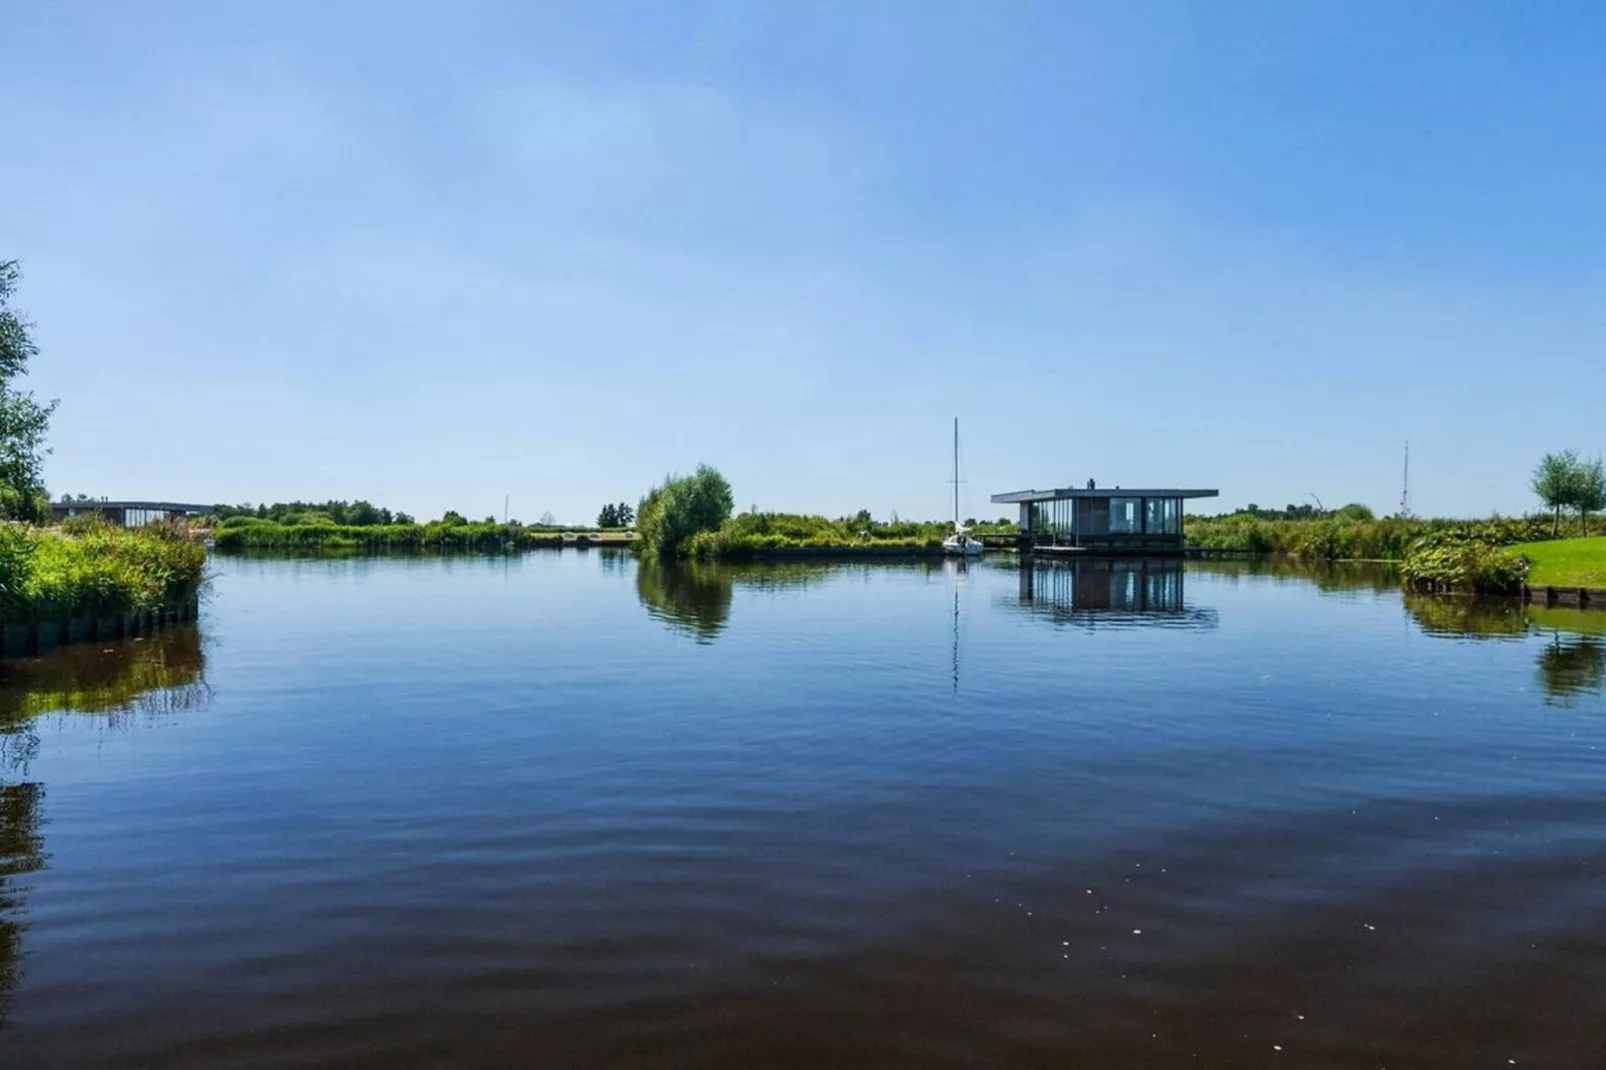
(1453, 563)
(672, 514)
(51, 575)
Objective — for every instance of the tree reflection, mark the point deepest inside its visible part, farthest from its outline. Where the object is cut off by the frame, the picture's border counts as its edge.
(21, 853)
(689, 596)
(1569, 666)
(694, 597)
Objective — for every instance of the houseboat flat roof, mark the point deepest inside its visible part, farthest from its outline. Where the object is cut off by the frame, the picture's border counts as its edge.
(1022, 496)
(154, 507)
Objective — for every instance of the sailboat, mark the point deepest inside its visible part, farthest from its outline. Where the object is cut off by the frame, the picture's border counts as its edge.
(961, 543)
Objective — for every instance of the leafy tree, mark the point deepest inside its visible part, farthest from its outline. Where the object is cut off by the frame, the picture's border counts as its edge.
(402, 518)
(547, 520)
(452, 516)
(671, 514)
(619, 515)
(23, 420)
(1589, 494)
(1556, 483)
(1355, 511)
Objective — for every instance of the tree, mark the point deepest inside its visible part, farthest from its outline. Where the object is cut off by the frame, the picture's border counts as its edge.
(547, 520)
(23, 420)
(1355, 511)
(1556, 483)
(608, 516)
(1589, 493)
(671, 514)
(624, 514)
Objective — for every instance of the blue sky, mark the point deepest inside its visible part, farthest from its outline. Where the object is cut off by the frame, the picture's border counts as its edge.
(435, 254)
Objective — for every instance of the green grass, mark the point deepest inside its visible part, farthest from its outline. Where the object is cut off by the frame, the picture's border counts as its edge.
(1566, 562)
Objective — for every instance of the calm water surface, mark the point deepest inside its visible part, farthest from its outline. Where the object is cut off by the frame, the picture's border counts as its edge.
(560, 811)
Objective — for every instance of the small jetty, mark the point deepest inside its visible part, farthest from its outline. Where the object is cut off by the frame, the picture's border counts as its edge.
(1075, 521)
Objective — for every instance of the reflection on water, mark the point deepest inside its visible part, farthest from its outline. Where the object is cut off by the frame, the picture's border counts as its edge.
(1467, 618)
(1330, 576)
(694, 597)
(1570, 666)
(1133, 592)
(21, 853)
(492, 813)
(689, 596)
(155, 675)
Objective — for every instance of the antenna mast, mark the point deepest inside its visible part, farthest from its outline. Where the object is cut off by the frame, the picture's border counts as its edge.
(1405, 490)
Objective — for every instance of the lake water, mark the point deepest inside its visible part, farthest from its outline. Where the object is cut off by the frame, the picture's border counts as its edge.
(559, 811)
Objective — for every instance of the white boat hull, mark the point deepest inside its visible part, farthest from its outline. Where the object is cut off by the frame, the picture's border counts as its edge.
(962, 546)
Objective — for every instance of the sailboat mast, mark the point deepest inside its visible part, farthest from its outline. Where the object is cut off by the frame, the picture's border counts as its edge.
(956, 472)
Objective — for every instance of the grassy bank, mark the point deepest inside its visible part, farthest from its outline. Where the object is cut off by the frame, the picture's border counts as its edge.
(1334, 539)
(1484, 556)
(1566, 562)
(95, 571)
(239, 533)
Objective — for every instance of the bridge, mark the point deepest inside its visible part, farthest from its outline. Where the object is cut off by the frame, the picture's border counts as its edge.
(127, 514)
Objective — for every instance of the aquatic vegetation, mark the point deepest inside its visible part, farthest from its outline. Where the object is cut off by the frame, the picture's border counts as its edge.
(1449, 562)
(52, 574)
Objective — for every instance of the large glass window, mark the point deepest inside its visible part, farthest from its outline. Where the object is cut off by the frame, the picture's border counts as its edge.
(1125, 518)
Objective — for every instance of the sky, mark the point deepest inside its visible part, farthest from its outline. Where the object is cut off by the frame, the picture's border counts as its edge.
(436, 255)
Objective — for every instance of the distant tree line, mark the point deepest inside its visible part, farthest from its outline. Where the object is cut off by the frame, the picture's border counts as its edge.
(358, 514)
(1564, 481)
(1352, 511)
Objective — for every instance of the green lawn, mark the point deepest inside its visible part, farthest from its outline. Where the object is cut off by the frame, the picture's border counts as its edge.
(1566, 562)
